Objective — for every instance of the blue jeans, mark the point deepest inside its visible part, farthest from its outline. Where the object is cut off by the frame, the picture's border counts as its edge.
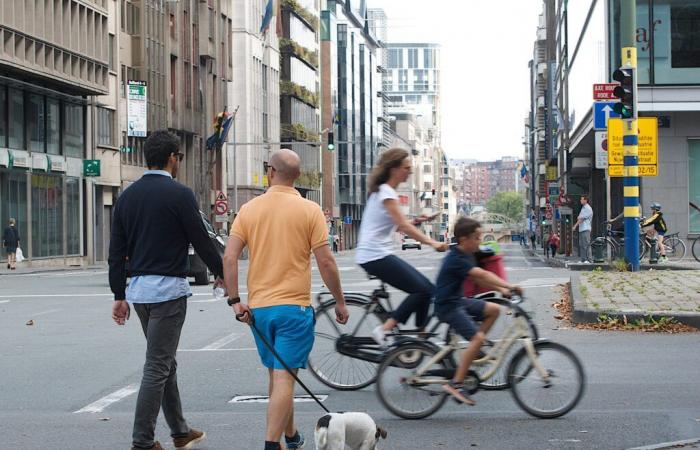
(401, 275)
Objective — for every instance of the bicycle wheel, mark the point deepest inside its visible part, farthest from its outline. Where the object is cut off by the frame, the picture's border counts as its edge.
(336, 370)
(696, 249)
(675, 248)
(551, 397)
(499, 380)
(606, 245)
(399, 394)
(643, 248)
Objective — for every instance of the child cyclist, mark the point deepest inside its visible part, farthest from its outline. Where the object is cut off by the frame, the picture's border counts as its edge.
(459, 312)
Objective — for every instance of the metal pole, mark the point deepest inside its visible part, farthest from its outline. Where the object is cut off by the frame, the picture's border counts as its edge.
(235, 168)
(630, 138)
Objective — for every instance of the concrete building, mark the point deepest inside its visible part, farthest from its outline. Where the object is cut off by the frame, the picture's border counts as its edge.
(351, 80)
(255, 92)
(669, 89)
(300, 90)
(56, 61)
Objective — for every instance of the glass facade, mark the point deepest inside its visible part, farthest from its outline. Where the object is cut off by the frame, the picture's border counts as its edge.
(694, 185)
(302, 74)
(13, 202)
(300, 33)
(16, 119)
(47, 215)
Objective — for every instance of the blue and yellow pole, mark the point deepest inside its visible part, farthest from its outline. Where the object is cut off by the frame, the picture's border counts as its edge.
(630, 138)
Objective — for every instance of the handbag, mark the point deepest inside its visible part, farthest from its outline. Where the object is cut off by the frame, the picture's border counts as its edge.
(19, 256)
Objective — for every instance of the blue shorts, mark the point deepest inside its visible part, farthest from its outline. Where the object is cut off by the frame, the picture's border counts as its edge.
(290, 331)
(460, 315)
(661, 233)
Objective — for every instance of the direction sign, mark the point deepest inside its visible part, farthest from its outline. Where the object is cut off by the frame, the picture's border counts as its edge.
(647, 147)
(602, 111)
(91, 167)
(604, 91)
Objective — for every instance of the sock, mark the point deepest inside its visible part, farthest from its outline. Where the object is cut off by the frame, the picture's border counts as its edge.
(294, 438)
(272, 445)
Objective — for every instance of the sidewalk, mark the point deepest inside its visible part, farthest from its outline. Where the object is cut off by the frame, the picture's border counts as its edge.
(636, 295)
(22, 269)
(558, 261)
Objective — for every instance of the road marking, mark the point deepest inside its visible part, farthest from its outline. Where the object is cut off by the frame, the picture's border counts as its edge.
(104, 402)
(266, 399)
(245, 349)
(48, 311)
(4, 301)
(543, 282)
(223, 342)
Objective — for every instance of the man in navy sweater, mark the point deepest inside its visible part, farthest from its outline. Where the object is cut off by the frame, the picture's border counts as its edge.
(155, 219)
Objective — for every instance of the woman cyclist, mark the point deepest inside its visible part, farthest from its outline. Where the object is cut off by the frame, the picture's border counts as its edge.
(381, 219)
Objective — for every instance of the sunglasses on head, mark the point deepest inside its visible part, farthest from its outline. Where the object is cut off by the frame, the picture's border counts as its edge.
(267, 165)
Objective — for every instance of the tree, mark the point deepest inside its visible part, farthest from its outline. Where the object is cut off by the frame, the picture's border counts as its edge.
(509, 204)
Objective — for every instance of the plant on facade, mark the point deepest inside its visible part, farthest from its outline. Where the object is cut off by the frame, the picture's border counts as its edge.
(297, 132)
(309, 179)
(302, 12)
(290, 46)
(300, 92)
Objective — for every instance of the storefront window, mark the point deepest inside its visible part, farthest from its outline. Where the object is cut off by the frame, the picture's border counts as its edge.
(73, 215)
(13, 202)
(37, 123)
(676, 41)
(643, 39)
(16, 116)
(3, 116)
(53, 127)
(47, 215)
(694, 185)
(74, 130)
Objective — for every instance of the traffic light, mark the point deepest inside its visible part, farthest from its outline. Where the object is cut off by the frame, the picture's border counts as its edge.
(330, 145)
(624, 92)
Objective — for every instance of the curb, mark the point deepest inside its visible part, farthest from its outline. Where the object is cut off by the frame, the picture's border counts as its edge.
(37, 270)
(552, 262)
(689, 443)
(585, 315)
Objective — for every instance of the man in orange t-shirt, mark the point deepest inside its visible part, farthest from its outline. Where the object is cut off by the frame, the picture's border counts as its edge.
(281, 230)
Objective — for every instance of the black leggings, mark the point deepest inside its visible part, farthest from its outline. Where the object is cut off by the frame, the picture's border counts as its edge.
(401, 275)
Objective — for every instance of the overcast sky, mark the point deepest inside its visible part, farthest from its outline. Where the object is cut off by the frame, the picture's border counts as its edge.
(486, 46)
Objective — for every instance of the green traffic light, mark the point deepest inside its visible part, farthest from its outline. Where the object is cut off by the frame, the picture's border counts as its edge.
(330, 147)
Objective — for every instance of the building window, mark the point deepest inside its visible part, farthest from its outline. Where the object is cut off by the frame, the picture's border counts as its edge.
(403, 80)
(36, 115)
(73, 215)
(412, 58)
(3, 116)
(187, 72)
(47, 215)
(676, 42)
(173, 83)
(428, 58)
(53, 126)
(73, 130)
(105, 127)
(395, 58)
(110, 50)
(16, 131)
(173, 27)
(694, 185)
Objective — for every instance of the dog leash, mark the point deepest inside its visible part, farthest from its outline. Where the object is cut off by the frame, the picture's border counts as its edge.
(284, 364)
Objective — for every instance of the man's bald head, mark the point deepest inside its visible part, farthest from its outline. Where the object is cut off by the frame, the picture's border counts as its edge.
(286, 164)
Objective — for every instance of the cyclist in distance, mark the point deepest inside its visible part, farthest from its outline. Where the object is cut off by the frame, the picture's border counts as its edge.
(659, 228)
(381, 219)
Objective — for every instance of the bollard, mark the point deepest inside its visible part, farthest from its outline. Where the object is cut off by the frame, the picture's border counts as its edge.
(653, 251)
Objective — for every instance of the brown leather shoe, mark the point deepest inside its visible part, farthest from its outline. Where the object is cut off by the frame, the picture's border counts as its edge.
(188, 442)
(156, 446)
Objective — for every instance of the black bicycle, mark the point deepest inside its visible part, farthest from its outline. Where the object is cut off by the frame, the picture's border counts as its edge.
(346, 357)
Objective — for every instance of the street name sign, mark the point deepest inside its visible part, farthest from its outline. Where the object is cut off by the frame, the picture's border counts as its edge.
(647, 147)
(604, 91)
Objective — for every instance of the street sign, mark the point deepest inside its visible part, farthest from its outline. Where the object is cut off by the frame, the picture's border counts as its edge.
(137, 108)
(647, 147)
(601, 149)
(91, 167)
(602, 111)
(221, 218)
(347, 220)
(548, 214)
(221, 196)
(220, 207)
(604, 91)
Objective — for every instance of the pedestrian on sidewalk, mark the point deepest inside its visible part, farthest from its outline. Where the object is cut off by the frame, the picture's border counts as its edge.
(281, 230)
(533, 239)
(155, 220)
(553, 243)
(583, 223)
(545, 243)
(10, 240)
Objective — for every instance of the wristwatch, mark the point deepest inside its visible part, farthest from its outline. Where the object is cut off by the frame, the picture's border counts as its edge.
(233, 300)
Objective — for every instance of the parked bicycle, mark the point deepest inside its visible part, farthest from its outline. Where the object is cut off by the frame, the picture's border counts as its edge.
(410, 377)
(695, 247)
(346, 357)
(613, 244)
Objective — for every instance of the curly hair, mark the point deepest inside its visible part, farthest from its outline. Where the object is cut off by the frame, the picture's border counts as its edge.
(158, 148)
(390, 159)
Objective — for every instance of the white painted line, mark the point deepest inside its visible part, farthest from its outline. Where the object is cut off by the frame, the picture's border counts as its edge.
(223, 342)
(245, 349)
(266, 399)
(48, 311)
(104, 402)
(4, 301)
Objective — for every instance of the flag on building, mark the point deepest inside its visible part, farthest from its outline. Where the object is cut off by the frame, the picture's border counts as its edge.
(267, 18)
(524, 173)
(222, 123)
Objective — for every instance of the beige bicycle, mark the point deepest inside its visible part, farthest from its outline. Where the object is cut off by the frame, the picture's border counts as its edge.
(546, 379)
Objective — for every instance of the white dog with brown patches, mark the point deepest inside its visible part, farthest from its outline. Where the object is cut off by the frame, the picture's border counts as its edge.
(356, 430)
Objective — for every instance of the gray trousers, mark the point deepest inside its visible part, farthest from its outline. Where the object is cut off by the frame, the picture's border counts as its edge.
(584, 243)
(161, 323)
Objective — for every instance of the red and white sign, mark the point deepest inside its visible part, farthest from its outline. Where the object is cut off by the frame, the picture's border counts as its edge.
(221, 203)
(604, 91)
(548, 215)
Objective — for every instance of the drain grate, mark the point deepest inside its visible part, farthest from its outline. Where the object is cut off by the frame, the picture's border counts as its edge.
(266, 399)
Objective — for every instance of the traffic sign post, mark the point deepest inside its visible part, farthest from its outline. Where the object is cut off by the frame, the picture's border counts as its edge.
(221, 204)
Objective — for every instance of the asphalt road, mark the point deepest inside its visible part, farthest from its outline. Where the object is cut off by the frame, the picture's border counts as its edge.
(69, 380)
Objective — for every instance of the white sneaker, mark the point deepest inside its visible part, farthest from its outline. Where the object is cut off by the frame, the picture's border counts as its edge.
(379, 335)
(586, 262)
